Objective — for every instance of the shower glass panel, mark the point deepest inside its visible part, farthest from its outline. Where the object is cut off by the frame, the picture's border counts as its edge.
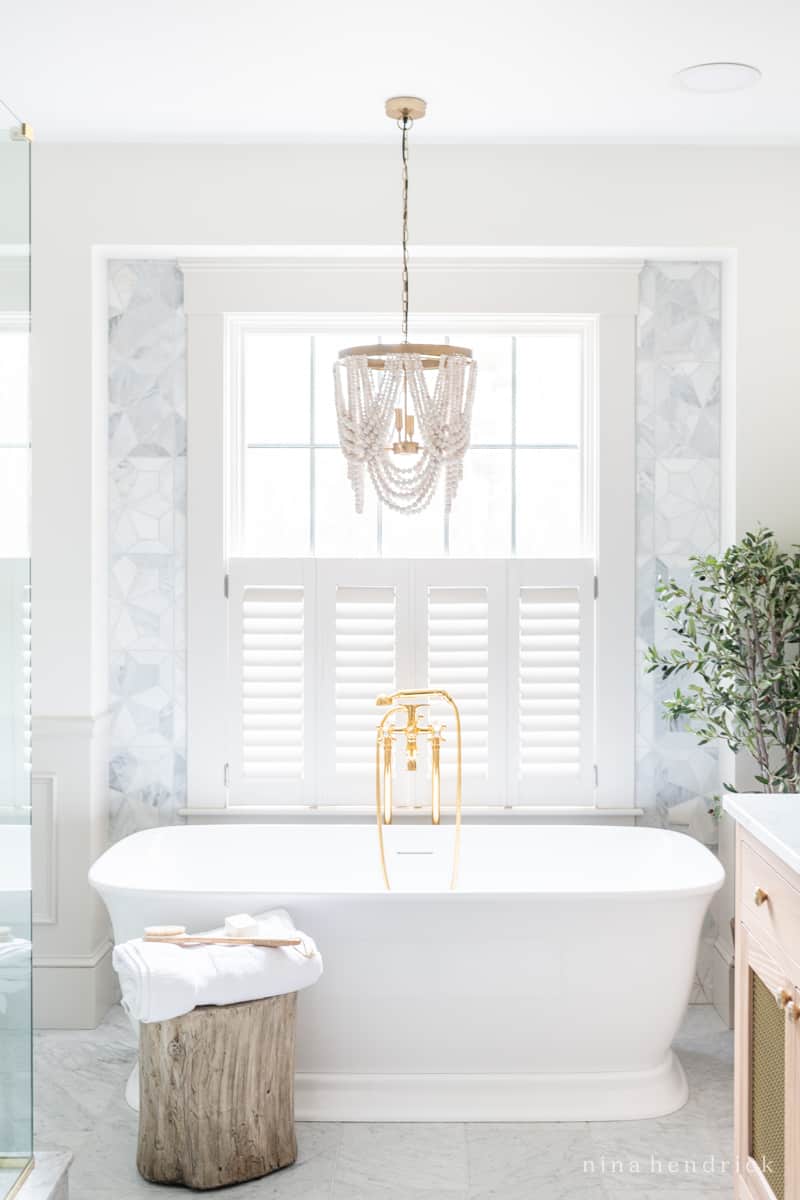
(16, 1093)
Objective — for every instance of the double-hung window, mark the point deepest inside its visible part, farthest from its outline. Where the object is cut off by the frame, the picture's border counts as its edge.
(322, 609)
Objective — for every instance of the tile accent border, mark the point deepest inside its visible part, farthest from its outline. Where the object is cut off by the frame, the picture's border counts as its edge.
(147, 543)
(678, 446)
(678, 501)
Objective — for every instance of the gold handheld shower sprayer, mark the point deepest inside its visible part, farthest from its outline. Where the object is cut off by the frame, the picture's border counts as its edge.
(409, 702)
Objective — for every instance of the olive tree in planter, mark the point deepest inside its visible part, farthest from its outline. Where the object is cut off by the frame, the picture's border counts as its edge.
(738, 632)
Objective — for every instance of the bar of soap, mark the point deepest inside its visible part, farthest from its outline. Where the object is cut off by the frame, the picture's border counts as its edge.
(241, 925)
(5, 933)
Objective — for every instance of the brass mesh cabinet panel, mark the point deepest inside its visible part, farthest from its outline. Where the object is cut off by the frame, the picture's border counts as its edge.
(767, 1084)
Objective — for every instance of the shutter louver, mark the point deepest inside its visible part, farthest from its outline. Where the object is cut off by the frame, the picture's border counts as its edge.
(550, 717)
(272, 682)
(365, 668)
(458, 662)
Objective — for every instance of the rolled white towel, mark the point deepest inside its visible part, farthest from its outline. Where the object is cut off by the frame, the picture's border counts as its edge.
(162, 980)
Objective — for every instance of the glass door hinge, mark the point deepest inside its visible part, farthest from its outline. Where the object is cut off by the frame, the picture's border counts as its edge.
(596, 587)
(226, 586)
(595, 775)
(226, 775)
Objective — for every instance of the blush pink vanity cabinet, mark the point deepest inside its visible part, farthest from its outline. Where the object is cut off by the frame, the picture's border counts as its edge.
(767, 1020)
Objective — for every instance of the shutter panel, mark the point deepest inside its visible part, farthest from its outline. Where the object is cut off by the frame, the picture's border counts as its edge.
(551, 602)
(272, 624)
(549, 681)
(365, 667)
(458, 662)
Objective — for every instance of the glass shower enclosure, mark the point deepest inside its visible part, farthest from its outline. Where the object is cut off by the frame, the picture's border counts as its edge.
(16, 1090)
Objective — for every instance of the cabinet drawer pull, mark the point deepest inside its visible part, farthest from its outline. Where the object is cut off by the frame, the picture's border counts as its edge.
(760, 897)
(792, 1011)
(783, 998)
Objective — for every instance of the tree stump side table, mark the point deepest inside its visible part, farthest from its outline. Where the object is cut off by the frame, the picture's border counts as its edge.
(217, 1094)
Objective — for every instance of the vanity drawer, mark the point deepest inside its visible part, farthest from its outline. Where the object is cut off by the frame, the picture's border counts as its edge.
(770, 904)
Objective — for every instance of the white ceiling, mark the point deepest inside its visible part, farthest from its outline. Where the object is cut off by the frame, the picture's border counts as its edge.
(319, 70)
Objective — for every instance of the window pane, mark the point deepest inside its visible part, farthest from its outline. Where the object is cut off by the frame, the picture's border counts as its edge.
(548, 503)
(491, 414)
(339, 530)
(326, 351)
(277, 503)
(277, 387)
(549, 385)
(420, 535)
(14, 388)
(480, 521)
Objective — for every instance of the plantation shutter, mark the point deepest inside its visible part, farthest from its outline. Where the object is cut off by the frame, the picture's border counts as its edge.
(270, 605)
(363, 635)
(314, 643)
(458, 662)
(552, 613)
(460, 640)
(365, 648)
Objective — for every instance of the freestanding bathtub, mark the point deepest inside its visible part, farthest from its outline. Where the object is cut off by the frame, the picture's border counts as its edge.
(548, 986)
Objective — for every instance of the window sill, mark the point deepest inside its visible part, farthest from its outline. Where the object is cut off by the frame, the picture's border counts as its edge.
(367, 812)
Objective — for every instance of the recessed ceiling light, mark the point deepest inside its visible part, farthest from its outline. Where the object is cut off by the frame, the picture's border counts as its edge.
(718, 77)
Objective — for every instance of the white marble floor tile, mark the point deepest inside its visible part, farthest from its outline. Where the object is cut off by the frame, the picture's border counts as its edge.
(388, 1161)
(80, 1108)
(516, 1161)
(688, 1153)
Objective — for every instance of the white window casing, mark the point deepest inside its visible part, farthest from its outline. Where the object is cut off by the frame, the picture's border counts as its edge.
(466, 609)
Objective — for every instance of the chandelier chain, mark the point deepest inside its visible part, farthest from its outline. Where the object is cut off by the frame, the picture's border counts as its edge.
(405, 126)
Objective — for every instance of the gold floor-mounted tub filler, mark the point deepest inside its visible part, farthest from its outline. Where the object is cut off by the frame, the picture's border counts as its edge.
(409, 702)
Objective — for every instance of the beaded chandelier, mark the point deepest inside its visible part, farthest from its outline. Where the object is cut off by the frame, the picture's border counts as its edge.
(388, 395)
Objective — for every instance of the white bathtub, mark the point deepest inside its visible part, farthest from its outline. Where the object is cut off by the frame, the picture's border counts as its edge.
(549, 986)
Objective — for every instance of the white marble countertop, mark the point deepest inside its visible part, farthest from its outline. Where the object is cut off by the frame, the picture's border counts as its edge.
(772, 818)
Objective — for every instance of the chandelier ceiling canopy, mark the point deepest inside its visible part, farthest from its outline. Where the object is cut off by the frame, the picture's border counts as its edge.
(404, 409)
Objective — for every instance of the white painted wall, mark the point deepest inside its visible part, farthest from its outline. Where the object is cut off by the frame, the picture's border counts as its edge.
(740, 204)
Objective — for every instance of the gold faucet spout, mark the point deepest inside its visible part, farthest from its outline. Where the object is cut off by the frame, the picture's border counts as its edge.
(409, 701)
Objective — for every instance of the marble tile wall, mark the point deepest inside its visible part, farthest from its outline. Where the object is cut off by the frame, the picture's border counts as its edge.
(678, 514)
(147, 548)
(678, 500)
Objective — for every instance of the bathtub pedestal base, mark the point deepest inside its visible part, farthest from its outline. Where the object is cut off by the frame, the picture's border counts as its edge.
(606, 1097)
(602, 1096)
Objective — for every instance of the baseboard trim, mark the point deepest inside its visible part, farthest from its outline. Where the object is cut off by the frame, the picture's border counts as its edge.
(604, 1096)
(74, 992)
